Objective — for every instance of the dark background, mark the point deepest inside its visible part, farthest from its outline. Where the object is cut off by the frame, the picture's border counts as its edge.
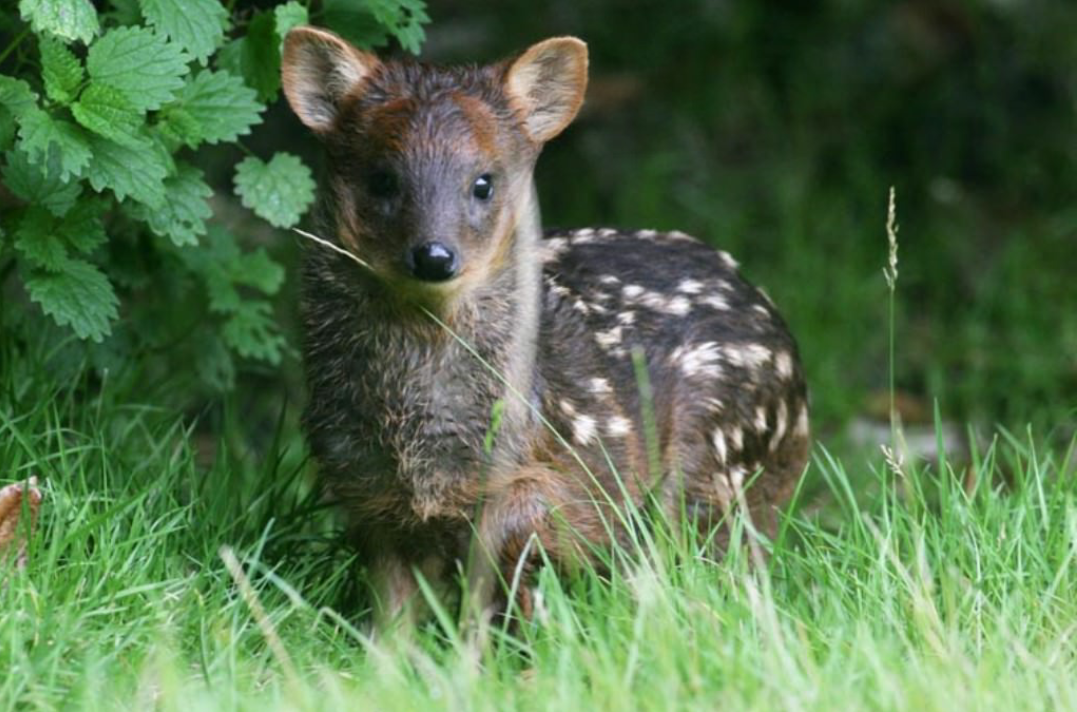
(775, 130)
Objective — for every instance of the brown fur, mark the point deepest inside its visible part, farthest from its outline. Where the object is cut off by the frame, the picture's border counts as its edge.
(399, 408)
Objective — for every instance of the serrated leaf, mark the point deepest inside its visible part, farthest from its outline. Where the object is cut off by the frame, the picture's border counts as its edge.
(127, 171)
(146, 67)
(279, 191)
(183, 216)
(256, 57)
(37, 241)
(252, 332)
(290, 14)
(17, 96)
(211, 107)
(69, 19)
(404, 19)
(80, 296)
(196, 25)
(61, 70)
(82, 227)
(40, 134)
(105, 111)
(258, 270)
(40, 183)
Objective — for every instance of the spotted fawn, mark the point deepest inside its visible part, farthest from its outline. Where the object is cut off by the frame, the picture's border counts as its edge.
(463, 308)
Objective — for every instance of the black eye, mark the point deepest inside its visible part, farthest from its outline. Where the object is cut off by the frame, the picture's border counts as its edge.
(483, 187)
(382, 184)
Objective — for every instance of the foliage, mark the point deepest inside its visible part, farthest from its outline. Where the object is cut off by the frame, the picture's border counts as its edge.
(108, 214)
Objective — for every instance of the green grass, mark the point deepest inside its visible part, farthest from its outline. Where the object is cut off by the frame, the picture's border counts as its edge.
(935, 588)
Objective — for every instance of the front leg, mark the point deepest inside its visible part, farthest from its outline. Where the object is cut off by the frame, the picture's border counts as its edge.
(398, 603)
(533, 511)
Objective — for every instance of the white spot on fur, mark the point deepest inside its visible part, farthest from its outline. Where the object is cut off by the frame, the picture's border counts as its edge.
(675, 306)
(607, 232)
(583, 429)
(690, 286)
(728, 260)
(608, 338)
(801, 428)
(765, 295)
(782, 422)
(715, 404)
(736, 438)
(646, 234)
(715, 301)
(552, 248)
(746, 355)
(632, 291)
(599, 385)
(627, 317)
(761, 310)
(736, 476)
(618, 426)
(719, 445)
(698, 360)
(783, 363)
(609, 279)
(678, 235)
(579, 306)
(584, 232)
(679, 306)
(761, 419)
(567, 407)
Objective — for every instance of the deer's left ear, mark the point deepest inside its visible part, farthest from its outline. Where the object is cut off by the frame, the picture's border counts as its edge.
(547, 84)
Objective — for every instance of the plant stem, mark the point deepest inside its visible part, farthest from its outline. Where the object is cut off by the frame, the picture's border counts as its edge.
(13, 45)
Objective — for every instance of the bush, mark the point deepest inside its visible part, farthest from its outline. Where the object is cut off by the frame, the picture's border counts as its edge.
(107, 223)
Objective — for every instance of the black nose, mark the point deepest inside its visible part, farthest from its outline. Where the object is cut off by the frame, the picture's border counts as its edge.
(433, 262)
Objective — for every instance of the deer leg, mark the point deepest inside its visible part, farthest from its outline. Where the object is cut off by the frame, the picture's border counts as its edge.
(528, 514)
(399, 604)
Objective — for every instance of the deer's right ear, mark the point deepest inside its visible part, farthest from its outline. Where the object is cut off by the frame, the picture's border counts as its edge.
(318, 69)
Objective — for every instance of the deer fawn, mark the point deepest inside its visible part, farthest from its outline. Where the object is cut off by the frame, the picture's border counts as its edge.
(430, 183)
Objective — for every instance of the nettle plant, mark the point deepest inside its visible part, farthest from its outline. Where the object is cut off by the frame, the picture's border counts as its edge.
(107, 225)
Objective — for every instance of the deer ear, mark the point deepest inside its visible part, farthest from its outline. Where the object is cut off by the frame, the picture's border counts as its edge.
(318, 69)
(547, 84)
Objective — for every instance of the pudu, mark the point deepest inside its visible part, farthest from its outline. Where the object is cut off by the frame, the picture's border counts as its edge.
(464, 308)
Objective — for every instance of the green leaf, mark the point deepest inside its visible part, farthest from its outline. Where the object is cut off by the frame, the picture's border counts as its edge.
(79, 296)
(258, 270)
(40, 183)
(196, 25)
(256, 57)
(290, 14)
(405, 20)
(252, 332)
(40, 135)
(17, 96)
(7, 128)
(127, 171)
(61, 70)
(68, 19)
(212, 107)
(105, 111)
(140, 63)
(279, 191)
(82, 227)
(183, 216)
(37, 241)
(354, 23)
